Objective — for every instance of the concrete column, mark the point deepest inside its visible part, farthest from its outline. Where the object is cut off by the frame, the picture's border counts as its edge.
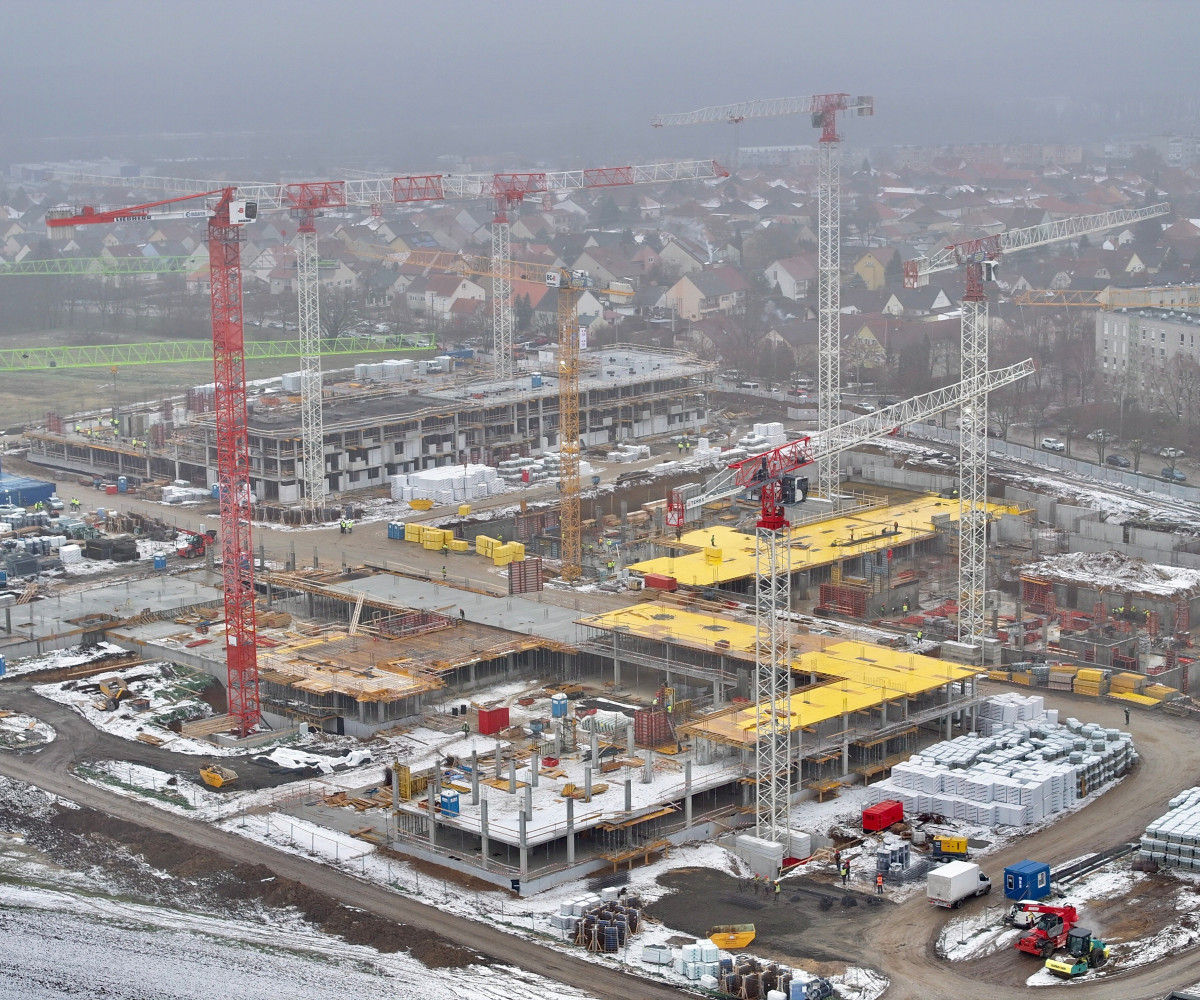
(535, 765)
(497, 761)
(629, 740)
(845, 744)
(648, 769)
(587, 783)
(474, 777)
(528, 807)
(512, 776)
(395, 786)
(570, 831)
(557, 739)
(432, 801)
(629, 795)
(595, 748)
(949, 725)
(524, 848)
(687, 794)
(716, 692)
(484, 846)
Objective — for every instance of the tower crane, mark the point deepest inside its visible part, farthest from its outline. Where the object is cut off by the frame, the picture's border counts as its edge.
(569, 284)
(773, 474)
(1148, 297)
(823, 109)
(980, 259)
(226, 215)
(305, 200)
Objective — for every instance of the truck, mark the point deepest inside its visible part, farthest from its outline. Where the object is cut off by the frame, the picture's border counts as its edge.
(955, 882)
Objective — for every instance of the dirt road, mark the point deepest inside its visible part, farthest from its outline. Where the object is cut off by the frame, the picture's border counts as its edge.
(51, 774)
(900, 940)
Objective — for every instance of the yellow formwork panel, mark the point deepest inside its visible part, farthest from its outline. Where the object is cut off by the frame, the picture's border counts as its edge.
(812, 545)
(858, 676)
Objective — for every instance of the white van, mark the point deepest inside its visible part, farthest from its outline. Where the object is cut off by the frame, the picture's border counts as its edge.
(747, 385)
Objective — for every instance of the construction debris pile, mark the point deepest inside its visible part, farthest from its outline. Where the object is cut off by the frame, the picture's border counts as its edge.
(1173, 840)
(1029, 768)
(1116, 572)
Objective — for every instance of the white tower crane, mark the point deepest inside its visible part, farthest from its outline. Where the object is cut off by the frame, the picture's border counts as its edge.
(824, 109)
(772, 474)
(981, 257)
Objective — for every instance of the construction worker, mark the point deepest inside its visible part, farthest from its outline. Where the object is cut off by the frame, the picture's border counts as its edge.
(443, 572)
(75, 505)
(756, 881)
(919, 635)
(879, 884)
(349, 527)
(777, 888)
(1127, 715)
(342, 525)
(845, 873)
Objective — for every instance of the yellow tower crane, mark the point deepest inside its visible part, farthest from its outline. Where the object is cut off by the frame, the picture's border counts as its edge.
(569, 284)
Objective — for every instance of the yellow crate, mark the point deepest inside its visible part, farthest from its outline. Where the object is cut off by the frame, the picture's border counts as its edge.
(484, 544)
(1159, 691)
(414, 532)
(501, 560)
(460, 545)
(1090, 674)
(999, 675)
(517, 549)
(1019, 678)
(434, 544)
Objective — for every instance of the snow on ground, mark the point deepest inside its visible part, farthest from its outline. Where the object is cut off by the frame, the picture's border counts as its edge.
(1118, 572)
(987, 931)
(20, 731)
(72, 656)
(164, 685)
(127, 951)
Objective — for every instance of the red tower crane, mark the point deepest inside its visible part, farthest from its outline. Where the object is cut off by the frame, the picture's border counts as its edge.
(226, 215)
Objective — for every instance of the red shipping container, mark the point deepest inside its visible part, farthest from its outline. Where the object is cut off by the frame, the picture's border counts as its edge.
(882, 815)
(493, 720)
(658, 581)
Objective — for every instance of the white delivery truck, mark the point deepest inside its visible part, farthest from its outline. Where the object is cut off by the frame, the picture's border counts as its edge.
(949, 884)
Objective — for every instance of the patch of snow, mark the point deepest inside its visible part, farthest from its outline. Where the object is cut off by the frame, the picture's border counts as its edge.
(72, 656)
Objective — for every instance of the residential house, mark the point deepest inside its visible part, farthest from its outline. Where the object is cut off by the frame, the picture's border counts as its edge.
(679, 256)
(795, 277)
(436, 294)
(872, 266)
(704, 293)
(610, 264)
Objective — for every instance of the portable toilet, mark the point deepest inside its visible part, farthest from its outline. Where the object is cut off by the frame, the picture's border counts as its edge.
(449, 802)
(160, 562)
(558, 706)
(122, 484)
(1027, 880)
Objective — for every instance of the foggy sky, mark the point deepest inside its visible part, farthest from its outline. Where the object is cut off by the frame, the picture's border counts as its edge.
(398, 82)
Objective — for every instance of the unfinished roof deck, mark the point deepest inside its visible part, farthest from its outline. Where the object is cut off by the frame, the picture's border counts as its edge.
(821, 543)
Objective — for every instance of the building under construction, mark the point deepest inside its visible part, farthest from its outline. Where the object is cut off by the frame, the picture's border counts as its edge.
(392, 418)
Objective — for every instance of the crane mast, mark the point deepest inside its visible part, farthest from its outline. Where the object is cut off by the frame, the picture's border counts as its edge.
(980, 258)
(225, 219)
(769, 473)
(823, 109)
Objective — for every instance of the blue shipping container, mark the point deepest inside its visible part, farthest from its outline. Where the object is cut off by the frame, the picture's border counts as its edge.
(1027, 880)
(24, 491)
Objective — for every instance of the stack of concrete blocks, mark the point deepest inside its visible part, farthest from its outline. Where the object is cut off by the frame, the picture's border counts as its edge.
(447, 484)
(763, 856)
(1030, 767)
(629, 453)
(698, 960)
(1173, 840)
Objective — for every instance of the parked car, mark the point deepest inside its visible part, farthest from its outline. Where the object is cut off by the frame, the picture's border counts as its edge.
(1173, 475)
(1117, 461)
(1171, 452)
(797, 391)
(1100, 434)
(1053, 444)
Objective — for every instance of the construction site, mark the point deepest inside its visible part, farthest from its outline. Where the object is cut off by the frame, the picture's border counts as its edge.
(575, 680)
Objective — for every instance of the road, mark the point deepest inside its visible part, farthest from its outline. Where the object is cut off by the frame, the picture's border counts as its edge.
(900, 941)
(50, 769)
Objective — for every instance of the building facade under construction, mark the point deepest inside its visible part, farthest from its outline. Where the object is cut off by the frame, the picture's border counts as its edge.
(392, 418)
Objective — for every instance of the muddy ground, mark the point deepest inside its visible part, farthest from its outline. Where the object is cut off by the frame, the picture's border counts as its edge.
(134, 860)
(810, 920)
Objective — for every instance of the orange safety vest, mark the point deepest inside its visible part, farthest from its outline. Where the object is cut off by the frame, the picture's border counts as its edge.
(879, 879)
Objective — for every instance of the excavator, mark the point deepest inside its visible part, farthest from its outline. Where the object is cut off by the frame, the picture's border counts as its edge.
(1051, 925)
(1084, 951)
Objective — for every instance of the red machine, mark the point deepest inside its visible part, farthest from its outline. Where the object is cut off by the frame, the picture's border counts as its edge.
(226, 215)
(1049, 930)
(196, 545)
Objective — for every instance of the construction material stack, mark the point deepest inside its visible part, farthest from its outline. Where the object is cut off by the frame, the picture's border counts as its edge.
(1173, 840)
